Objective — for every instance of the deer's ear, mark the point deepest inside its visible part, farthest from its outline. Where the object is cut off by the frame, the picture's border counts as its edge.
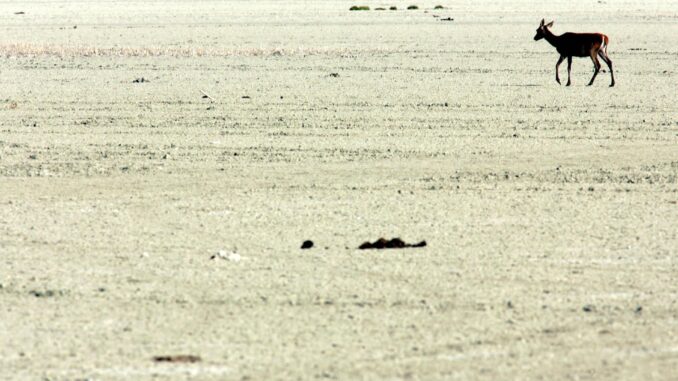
(549, 24)
(542, 22)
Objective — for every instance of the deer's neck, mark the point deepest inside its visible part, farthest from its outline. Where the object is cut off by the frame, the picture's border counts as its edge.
(551, 38)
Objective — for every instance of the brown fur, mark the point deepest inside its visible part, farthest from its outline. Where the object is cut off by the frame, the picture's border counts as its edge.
(570, 45)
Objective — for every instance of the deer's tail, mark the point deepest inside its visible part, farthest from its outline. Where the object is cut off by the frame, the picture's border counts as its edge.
(604, 44)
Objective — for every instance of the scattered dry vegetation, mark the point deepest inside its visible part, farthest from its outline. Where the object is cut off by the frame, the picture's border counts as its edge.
(72, 51)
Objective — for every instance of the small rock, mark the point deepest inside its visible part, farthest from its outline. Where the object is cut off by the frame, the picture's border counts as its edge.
(589, 308)
(227, 255)
(307, 244)
(639, 310)
(334, 75)
(140, 80)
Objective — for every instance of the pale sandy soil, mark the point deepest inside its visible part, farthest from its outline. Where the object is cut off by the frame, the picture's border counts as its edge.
(538, 202)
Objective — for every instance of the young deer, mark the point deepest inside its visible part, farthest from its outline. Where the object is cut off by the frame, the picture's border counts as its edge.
(577, 45)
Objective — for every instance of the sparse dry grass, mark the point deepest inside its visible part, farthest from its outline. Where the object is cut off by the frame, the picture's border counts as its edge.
(536, 201)
(65, 51)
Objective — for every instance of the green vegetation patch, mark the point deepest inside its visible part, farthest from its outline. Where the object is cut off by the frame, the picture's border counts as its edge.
(393, 8)
(412, 7)
(359, 8)
(438, 7)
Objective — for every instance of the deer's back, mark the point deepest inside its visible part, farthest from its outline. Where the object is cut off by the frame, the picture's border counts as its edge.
(580, 44)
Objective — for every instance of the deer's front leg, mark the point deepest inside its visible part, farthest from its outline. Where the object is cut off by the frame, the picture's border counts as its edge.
(560, 60)
(569, 70)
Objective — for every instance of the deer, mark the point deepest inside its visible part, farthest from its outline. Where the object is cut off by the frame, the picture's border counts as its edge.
(570, 45)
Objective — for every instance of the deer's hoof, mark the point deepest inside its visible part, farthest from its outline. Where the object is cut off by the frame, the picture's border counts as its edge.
(568, 84)
(612, 85)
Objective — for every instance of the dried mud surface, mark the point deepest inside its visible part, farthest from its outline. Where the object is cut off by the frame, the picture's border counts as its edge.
(550, 213)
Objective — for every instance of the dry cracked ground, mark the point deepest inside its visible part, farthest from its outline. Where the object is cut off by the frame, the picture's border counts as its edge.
(550, 213)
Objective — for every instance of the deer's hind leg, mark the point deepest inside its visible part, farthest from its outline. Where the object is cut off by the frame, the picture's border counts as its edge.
(596, 66)
(603, 55)
(569, 70)
(560, 60)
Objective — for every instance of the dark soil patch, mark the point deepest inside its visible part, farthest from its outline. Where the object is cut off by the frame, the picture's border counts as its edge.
(395, 243)
(177, 358)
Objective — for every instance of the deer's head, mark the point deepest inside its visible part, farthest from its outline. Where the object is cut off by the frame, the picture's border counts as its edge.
(541, 31)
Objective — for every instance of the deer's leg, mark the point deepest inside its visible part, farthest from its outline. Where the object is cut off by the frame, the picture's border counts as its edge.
(608, 62)
(569, 70)
(560, 60)
(596, 66)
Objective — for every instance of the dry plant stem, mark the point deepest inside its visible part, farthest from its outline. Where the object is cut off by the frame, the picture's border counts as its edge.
(208, 96)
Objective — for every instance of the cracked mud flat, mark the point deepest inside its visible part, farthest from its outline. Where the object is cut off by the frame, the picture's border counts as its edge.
(550, 213)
